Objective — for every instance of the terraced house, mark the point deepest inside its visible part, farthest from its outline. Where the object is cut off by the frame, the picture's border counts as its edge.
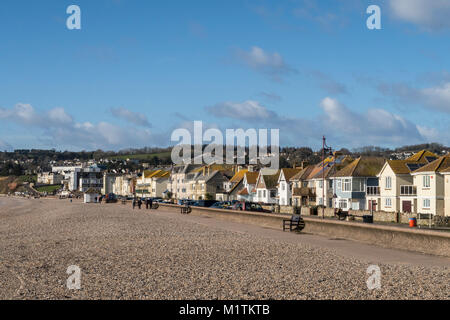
(429, 182)
(153, 183)
(396, 191)
(353, 180)
(303, 191)
(285, 185)
(267, 187)
(205, 183)
(248, 192)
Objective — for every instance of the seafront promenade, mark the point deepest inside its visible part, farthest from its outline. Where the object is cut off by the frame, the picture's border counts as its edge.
(159, 254)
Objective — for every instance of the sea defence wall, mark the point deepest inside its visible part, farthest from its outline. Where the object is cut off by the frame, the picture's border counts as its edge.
(394, 237)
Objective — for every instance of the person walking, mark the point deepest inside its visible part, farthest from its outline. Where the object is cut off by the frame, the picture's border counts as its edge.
(139, 203)
(151, 203)
(146, 203)
(134, 203)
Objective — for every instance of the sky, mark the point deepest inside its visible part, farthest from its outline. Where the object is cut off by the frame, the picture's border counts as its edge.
(137, 70)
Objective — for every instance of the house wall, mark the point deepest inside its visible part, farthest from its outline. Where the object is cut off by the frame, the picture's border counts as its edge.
(447, 195)
(435, 193)
(391, 193)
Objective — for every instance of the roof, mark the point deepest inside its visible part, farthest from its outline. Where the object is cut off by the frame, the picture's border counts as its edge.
(303, 174)
(156, 174)
(421, 156)
(270, 180)
(239, 176)
(243, 192)
(362, 167)
(289, 173)
(92, 191)
(401, 166)
(251, 177)
(439, 165)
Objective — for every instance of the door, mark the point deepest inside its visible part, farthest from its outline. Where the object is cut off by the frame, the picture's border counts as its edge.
(406, 206)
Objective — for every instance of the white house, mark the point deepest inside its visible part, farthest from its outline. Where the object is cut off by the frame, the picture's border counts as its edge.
(266, 188)
(429, 182)
(396, 191)
(91, 195)
(446, 173)
(285, 185)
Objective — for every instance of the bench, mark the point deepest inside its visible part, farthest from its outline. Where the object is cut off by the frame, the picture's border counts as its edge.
(296, 223)
(186, 210)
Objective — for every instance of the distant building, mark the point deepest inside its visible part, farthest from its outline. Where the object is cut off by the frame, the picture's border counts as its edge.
(49, 178)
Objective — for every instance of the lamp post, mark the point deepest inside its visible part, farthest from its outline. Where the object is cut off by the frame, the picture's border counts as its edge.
(330, 150)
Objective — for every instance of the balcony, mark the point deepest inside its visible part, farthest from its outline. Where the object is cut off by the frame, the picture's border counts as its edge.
(373, 191)
(408, 190)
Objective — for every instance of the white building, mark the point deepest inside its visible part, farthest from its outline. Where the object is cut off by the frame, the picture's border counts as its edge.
(429, 182)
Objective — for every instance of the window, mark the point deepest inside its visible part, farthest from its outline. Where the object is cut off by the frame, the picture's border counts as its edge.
(259, 193)
(426, 203)
(320, 201)
(388, 182)
(339, 184)
(426, 181)
(283, 187)
(347, 186)
(388, 202)
(264, 193)
(320, 183)
(343, 204)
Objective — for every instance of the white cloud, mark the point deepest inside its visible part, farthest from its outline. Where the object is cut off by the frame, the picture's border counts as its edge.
(375, 126)
(271, 64)
(427, 14)
(58, 129)
(436, 98)
(339, 123)
(137, 118)
(248, 110)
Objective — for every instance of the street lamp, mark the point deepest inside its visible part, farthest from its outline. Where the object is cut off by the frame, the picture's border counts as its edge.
(329, 150)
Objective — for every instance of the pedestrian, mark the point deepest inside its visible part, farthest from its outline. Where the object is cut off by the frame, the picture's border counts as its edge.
(151, 203)
(147, 201)
(134, 203)
(139, 203)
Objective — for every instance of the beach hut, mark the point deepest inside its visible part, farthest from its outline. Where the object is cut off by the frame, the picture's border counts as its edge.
(91, 195)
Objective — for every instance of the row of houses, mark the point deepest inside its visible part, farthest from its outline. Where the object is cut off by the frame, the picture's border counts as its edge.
(418, 184)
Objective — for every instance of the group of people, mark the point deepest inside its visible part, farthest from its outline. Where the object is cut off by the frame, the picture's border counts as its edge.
(138, 202)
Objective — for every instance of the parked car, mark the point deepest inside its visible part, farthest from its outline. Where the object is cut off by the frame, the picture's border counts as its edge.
(221, 205)
(204, 203)
(250, 206)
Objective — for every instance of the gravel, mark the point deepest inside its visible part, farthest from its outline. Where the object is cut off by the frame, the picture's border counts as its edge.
(126, 254)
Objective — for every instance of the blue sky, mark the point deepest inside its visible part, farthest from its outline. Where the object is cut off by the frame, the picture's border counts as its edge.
(139, 69)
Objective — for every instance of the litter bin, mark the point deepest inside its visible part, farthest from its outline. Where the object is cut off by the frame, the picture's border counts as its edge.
(368, 219)
(412, 222)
